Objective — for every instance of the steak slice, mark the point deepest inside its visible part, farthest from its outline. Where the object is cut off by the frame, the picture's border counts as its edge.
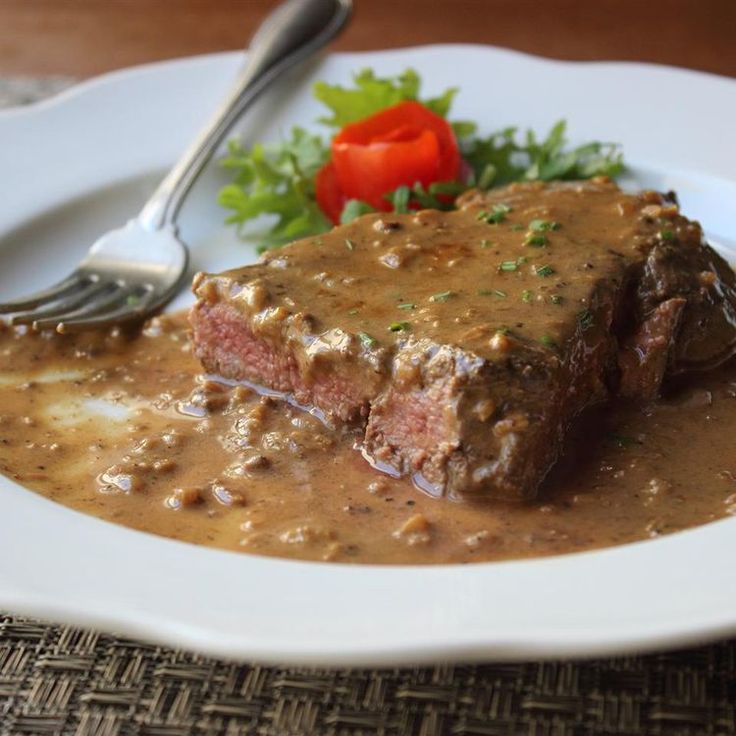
(466, 342)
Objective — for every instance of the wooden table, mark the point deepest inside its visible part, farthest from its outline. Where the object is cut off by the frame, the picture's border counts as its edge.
(86, 37)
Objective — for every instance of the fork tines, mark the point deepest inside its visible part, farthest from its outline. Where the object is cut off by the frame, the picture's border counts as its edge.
(80, 301)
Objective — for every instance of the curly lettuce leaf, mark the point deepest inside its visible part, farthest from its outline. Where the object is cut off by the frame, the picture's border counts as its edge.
(506, 156)
(276, 180)
(370, 94)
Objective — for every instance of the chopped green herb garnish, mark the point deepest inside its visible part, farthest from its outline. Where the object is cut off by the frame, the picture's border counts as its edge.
(547, 341)
(667, 235)
(366, 340)
(443, 296)
(623, 441)
(407, 305)
(499, 213)
(399, 198)
(516, 227)
(485, 243)
(349, 244)
(526, 296)
(353, 312)
(511, 265)
(496, 216)
(503, 330)
(541, 226)
(439, 195)
(556, 299)
(536, 241)
(354, 208)
(399, 326)
(544, 271)
(585, 319)
(492, 292)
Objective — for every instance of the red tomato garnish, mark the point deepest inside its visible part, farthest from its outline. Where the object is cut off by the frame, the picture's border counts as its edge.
(329, 195)
(401, 145)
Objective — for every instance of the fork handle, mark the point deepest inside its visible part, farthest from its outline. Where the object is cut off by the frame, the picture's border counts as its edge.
(294, 31)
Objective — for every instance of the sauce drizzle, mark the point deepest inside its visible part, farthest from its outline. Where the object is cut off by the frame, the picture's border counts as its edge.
(127, 428)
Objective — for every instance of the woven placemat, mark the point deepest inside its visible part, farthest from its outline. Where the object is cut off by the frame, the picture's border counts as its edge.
(63, 680)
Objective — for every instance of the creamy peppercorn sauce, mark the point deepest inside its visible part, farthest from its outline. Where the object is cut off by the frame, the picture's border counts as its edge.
(128, 429)
(456, 277)
(467, 341)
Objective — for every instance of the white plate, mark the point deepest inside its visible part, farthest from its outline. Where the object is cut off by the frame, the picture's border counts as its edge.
(78, 164)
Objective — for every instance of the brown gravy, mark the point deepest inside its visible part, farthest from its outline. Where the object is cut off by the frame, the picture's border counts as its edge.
(184, 456)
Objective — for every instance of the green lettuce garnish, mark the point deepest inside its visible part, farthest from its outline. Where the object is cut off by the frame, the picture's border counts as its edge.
(507, 156)
(371, 94)
(278, 179)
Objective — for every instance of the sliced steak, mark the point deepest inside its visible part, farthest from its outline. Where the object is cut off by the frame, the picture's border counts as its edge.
(466, 342)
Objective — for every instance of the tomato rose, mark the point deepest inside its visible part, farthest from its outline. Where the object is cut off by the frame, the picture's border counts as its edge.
(401, 145)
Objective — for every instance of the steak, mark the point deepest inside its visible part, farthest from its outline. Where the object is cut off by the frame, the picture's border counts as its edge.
(465, 343)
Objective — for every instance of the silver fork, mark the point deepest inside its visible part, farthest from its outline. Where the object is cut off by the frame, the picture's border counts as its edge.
(134, 270)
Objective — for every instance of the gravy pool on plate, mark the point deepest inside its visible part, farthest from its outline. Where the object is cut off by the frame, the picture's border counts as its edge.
(128, 429)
